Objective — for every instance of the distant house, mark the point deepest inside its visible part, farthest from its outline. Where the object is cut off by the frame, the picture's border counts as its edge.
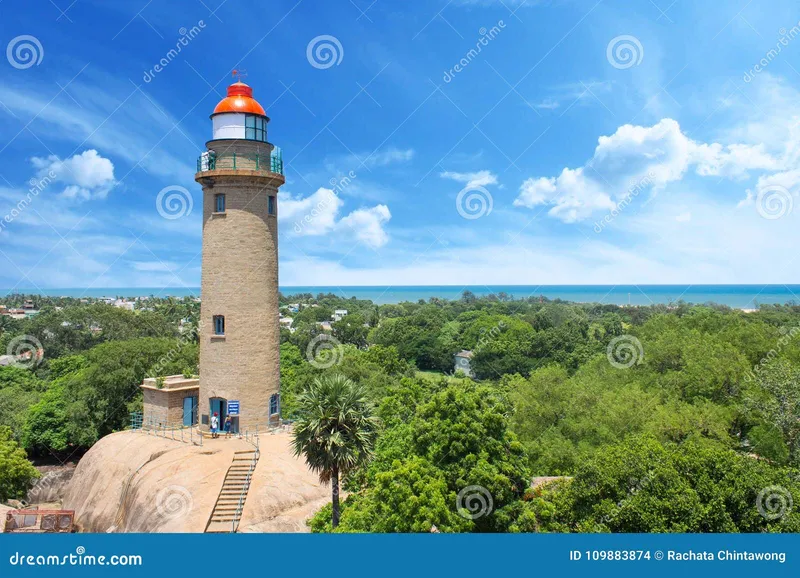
(129, 305)
(286, 322)
(338, 314)
(325, 325)
(463, 361)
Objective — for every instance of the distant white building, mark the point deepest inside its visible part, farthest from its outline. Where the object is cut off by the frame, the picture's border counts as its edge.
(286, 322)
(338, 314)
(463, 361)
(129, 305)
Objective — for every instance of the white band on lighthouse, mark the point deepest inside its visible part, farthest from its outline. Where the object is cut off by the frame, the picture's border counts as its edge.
(229, 125)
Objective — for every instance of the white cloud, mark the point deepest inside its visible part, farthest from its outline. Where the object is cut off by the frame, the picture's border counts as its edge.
(655, 156)
(389, 156)
(472, 180)
(86, 175)
(367, 225)
(317, 214)
(312, 215)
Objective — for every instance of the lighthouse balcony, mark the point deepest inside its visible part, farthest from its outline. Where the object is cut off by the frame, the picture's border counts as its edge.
(268, 163)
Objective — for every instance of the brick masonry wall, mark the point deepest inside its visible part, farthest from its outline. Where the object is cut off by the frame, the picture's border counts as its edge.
(164, 407)
(240, 281)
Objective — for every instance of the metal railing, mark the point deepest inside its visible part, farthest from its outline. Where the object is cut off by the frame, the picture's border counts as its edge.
(269, 163)
(245, 489)
(177, 432)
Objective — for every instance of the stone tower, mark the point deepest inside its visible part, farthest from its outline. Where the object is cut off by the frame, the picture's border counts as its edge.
(239, 332)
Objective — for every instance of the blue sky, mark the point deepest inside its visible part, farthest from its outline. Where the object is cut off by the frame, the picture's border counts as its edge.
(488, 141)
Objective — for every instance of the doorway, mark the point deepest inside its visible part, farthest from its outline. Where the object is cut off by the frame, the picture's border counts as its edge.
(219, 406)
(190, 410)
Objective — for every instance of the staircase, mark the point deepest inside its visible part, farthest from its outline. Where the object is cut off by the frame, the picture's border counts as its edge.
(230, 502)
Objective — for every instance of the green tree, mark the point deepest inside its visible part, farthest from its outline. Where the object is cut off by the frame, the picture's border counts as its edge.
(336, 431)
(16, 472)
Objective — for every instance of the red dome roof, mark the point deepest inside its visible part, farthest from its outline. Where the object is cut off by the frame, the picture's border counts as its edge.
(240, 99)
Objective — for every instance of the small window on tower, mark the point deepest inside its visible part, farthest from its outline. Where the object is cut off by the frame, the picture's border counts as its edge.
(274, 404)
(271, 204)
(219, 325)
(219, 201)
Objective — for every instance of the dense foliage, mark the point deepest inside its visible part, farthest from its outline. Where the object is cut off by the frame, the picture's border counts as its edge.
(681, 418)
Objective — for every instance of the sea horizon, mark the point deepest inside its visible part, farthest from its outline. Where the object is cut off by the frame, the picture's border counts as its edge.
(742, 296)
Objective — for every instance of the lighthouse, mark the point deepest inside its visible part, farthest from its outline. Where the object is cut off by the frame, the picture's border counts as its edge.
(240, 173)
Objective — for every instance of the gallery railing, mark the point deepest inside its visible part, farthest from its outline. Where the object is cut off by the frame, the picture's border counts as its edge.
(214, 161)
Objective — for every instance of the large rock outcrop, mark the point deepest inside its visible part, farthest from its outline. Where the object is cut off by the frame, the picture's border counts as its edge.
(133, 482)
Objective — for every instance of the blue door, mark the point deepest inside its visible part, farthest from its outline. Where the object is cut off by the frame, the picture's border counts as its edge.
(218, 406)
(189, 411)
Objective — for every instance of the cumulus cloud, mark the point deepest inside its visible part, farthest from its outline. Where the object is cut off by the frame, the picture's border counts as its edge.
(367, 225)
(318, 214)
(654, 156)
(86, 175)
(312, 215)
(472, 180)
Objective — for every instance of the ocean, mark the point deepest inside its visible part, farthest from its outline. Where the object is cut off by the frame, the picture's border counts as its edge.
(738, 296)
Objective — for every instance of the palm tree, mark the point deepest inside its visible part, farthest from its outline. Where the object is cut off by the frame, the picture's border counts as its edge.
(336, 430)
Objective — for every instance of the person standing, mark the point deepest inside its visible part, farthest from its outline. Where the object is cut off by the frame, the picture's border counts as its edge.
(214, 425)
(227, 426)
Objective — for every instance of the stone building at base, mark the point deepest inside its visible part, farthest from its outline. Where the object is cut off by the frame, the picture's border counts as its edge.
(170, 401)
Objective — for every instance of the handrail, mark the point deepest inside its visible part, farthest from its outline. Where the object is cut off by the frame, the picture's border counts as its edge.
(163, 429)
(243, 494)
(269, 163)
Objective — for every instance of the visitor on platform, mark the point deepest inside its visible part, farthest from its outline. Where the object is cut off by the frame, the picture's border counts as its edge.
(227, 426)
(214, 425)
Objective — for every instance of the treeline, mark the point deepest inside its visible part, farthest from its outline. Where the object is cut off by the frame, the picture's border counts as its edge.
(683, 418)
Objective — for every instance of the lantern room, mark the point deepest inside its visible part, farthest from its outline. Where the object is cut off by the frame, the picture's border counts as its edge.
(239, 116)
